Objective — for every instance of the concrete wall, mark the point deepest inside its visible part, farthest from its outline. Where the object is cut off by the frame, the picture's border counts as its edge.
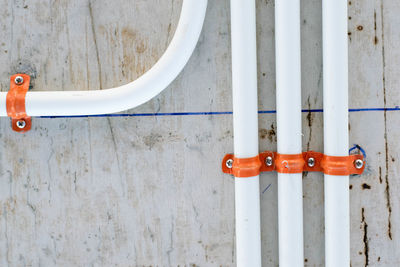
(148, 190)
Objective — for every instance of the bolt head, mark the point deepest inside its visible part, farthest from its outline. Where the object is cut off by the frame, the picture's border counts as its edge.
(229, 163)
(358, 163)
(21, 124)
(311, 162)
(19, 80)
(268, 161)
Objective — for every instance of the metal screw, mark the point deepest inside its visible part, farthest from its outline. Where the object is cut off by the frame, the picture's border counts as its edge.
(358, 163)
(311, 162)
(268, 161)
(229, 163)
(19, 80)
(21, 124)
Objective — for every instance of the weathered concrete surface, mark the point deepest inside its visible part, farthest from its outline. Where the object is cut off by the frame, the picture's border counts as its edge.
(148, 191)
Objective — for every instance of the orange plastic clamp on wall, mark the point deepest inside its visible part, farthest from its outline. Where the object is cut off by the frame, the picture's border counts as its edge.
(15, 103)
(309, 161)
(289, 163)
(241, 167)
(333, 165)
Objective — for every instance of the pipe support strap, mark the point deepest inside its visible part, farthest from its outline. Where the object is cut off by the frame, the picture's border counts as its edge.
(241, 167)
(309, 161)
(15, 103)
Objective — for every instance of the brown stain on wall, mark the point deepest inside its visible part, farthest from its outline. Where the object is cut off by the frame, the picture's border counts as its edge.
(375, 37)
(365, 186)
(387, 188)
(365, 237)
(128, 37)
(136, 58)
(270, 134)
(141, 47)
(310, 118)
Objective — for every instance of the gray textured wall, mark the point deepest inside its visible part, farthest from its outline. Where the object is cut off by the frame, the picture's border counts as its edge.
(148, 190)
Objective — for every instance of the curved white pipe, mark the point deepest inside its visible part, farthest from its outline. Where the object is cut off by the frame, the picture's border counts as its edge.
(71, 103)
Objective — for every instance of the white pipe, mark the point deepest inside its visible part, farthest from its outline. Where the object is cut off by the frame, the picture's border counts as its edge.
(70, 103)
(248, 234)
(336, 136)
(245, 126)
(288, 105)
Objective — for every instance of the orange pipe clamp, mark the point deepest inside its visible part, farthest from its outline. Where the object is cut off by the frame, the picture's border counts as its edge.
(309, 161)
(15, 103)
(241, 167)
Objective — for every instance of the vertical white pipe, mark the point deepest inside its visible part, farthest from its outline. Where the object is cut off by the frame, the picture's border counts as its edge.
(288, 105)
(248, 234)
(336, 141)
(245, 126)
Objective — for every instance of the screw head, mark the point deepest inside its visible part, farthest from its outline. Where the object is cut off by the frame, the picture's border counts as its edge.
(229, 163)
(358, 163)
(21, 124)
(311, 162)
(19, 80)
(268, 161)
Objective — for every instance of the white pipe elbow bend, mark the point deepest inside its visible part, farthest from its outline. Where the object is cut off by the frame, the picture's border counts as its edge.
(150, 84)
